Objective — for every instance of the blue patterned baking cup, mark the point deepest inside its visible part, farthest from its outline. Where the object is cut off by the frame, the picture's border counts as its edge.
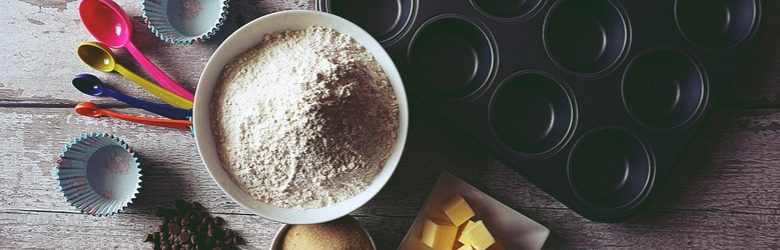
(184, 21)
(98, 174)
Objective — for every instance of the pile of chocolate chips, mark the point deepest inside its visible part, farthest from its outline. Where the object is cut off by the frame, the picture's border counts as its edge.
(190, 226)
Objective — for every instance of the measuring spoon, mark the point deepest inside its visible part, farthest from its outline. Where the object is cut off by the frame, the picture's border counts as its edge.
(91, 85)
(100, 58)
(91, 110)
(107, 22)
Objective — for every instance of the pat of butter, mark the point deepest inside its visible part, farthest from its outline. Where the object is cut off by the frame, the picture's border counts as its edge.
(462, 229)
(439, 234)
(477, 235)
(457, 209)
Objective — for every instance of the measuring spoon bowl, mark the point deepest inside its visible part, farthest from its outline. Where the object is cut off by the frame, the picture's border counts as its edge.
(96, 56)
(89, 109)
(106, 22)
(88, 84)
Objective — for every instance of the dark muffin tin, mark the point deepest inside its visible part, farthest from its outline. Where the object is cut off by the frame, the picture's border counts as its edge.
(592, 100)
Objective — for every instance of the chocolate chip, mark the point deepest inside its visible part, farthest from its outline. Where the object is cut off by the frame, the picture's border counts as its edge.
(190, 226)
(219, 221)
(206, 220)
(174, 228)
(184, 235)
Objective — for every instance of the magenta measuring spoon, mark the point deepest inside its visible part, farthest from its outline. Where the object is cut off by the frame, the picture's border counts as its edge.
(107, 22)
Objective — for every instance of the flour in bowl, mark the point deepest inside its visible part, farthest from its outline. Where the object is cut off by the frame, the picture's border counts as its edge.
(305, 119)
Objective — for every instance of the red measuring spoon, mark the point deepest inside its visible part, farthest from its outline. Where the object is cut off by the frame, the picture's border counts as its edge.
(95, 111)
(107, 22)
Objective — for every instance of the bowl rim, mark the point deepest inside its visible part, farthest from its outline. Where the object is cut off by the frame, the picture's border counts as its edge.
(249, 36)
(276, 242)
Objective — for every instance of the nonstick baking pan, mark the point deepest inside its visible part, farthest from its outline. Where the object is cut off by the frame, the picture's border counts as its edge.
(594, 101)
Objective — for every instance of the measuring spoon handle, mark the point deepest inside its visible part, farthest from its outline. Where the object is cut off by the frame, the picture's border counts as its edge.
(160, 109)
(165, 95)
(164, 80)
(177, 124)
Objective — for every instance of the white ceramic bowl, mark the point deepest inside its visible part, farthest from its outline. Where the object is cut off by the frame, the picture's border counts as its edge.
(249, 36)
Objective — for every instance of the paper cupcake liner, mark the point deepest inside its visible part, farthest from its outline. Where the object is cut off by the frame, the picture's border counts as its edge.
(98, 174)
(184, 21)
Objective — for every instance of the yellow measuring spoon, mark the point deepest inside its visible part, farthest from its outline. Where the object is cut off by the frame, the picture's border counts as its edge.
(99, 57)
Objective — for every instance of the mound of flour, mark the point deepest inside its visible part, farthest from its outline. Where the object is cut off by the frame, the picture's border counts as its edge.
(305, 119)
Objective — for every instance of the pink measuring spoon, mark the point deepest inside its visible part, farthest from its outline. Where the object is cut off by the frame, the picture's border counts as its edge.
(107, 22)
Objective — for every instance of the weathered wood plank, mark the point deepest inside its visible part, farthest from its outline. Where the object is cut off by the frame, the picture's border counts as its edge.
(45, 34)
(22, 229)
(39, 70)
(723, 192)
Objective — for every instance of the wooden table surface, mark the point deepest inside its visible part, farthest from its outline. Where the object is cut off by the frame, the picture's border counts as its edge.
(725, 193)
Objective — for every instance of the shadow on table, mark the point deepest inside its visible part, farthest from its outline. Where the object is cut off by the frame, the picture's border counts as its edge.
(160, 187)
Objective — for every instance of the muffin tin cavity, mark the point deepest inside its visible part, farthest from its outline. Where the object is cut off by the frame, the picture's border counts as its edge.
(663, 88)
(506, 8)
(531, 113)
(610, 168)
(585, 36)
(716, 24)
(452, 55)
(382, 19)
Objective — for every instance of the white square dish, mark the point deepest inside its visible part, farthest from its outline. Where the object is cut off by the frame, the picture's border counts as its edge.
(513, 229)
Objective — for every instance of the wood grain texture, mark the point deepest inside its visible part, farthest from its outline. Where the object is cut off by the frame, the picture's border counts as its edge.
(723, 194)
(54, 25)
(38, 70)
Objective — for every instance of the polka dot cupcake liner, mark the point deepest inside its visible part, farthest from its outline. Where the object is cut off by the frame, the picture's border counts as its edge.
(98, 174)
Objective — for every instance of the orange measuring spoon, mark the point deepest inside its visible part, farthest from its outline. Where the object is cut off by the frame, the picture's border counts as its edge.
(95, 111)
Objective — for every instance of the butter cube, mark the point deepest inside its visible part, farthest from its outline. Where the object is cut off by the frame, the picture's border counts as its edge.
(457, 209)
(439, 234)
(463, 228)
(477, 235)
